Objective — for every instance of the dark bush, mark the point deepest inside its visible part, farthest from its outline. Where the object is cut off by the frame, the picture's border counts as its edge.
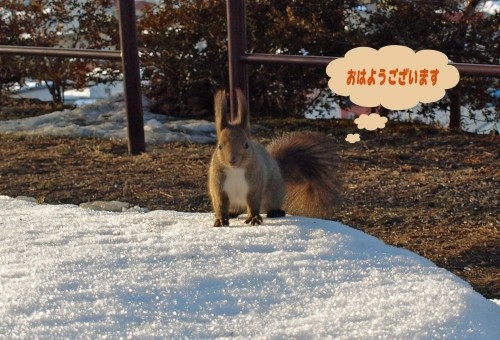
(184, 49)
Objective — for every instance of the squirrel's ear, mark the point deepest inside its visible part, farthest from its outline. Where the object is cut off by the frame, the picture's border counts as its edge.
(243, 118)
(220, 108)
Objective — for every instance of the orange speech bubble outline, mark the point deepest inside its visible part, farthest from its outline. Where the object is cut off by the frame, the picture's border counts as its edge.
(391, 76)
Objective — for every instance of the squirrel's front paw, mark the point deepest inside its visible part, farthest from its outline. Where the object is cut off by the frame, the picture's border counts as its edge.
(254, 220)
(221, 222)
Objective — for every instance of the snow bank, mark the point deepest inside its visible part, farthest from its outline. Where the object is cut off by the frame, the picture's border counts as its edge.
(68, 272)
(107, 119)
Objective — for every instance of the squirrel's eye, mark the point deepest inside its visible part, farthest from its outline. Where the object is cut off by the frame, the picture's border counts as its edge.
(246, 145)
(219, 146)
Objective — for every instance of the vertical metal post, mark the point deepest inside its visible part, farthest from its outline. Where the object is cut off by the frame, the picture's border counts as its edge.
(131, 77)
(237, 46)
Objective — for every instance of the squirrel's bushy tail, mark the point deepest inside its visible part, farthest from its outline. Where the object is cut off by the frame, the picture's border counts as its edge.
(310, 168)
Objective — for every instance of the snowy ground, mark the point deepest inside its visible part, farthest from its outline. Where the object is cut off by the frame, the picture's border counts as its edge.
(68, 272)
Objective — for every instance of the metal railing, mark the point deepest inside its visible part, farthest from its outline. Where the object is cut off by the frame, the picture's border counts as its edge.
(129, 57)
(239, 58)
(238, 61)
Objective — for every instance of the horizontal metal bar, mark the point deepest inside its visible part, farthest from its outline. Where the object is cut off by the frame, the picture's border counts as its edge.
(479, 70)
(286, 59)
(60, 52)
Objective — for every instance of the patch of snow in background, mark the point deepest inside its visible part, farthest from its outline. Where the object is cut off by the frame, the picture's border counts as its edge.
(478, 125)
(107, 119)
(490, 7)
(201, 45)
(35, 90)
(67, 272)
(326, 108)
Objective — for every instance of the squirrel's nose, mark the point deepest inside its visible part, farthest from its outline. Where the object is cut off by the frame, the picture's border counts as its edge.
(233, 161)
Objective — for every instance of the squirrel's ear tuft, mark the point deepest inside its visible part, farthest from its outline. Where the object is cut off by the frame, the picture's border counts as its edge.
(243, 118)
(220, 109)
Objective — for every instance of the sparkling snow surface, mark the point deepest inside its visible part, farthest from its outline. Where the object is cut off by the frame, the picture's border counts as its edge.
(68, 272)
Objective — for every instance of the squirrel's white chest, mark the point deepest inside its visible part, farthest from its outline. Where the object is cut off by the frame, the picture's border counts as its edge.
(236, 187)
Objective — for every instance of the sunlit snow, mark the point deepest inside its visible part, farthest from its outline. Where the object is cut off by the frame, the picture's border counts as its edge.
(69, 272)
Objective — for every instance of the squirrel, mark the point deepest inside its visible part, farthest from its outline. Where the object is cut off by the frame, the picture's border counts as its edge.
(298, 172)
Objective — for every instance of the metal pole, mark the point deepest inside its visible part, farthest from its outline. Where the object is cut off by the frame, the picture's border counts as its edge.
(478, 70)
(131, 77)
(59, 52)
(237, 45)
(286, 59)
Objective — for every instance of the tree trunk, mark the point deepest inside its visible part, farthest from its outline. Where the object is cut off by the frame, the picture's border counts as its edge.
(455, 115)
(382, 111)
(461, 34)
(55, 91)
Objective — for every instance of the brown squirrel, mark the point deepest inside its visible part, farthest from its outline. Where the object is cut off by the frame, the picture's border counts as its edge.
(298, 172)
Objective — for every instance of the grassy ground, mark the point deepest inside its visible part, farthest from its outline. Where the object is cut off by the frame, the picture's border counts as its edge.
(422, 188)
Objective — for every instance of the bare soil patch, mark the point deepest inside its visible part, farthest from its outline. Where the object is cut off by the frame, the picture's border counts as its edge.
(422, 188)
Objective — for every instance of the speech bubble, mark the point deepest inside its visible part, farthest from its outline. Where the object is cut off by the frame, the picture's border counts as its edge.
(353, 138)
(370, 122)
(394, 76)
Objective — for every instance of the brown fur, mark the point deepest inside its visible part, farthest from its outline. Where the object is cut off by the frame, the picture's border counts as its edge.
(244, 175)
(235, 151)
(310, 168)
